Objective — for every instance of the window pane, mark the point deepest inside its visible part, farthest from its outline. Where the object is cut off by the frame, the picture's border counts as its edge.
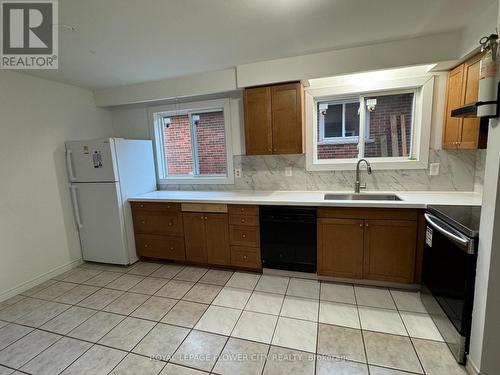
(211, 143)
(383, 139)
(333, 121)
(351, 119)
(177, 145)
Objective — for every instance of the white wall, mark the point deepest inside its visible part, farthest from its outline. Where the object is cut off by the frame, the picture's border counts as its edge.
(37, 231)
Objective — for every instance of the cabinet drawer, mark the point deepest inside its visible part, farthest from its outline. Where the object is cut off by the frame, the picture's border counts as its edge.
(156, 206)
(160, 247)
(242, 209)
(369, 213)
(248, 257)
(244, 220)
(157, 222)
(244, 236)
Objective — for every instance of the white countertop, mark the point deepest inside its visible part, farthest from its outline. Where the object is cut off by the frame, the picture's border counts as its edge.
(410, 199)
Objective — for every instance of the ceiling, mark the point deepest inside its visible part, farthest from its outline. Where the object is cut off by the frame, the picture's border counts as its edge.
(118, 42)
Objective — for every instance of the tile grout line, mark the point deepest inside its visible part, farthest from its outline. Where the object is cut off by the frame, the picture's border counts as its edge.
(361, 330)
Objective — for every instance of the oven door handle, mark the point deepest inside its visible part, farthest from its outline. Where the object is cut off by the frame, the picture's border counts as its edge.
(449, 232)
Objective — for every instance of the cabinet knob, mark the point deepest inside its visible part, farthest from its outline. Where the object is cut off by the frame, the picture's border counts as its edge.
(168, 206)
(366, 225)
(245, 257)
(142, 206)
(172, 248)
(201, 218)
(170, 223)
(206, 218)
(244, 235)
(242, 220)
(361, 225)
(143, 221)
(146, 245)
(242, 209)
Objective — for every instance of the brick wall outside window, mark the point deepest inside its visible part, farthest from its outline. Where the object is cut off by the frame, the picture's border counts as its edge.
(380, 125)
(210, 135)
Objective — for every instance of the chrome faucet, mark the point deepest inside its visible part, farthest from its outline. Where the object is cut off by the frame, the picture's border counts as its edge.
(358, 185)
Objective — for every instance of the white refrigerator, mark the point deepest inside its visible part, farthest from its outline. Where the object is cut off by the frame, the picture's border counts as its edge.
(103, 174)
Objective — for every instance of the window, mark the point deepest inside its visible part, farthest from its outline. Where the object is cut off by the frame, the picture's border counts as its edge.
(192, 143)
(390, 127)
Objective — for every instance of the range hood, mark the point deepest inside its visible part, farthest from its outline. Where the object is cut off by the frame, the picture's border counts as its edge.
(471, 110)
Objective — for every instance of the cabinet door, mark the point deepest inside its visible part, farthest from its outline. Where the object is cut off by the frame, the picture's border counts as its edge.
(470, 126)
(287, 118)
(194, 237)
(340, 247)
(258, 131)
(390, 247)
(217, 239)
(454, 98)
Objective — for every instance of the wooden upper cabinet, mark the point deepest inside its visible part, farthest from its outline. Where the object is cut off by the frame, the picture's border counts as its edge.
(390, 250)
(287, 118)
(462, 88)
(274, 119)
(217, 239)
(194, 237)
(454, 98)
(470, 126)
(340, 247)
(258, 129)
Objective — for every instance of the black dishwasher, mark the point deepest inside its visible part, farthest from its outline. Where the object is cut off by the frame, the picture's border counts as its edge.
(288, 238)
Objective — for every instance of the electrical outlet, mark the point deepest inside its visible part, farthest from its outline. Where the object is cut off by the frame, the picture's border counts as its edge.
(433, 169)
(288, 171)
(237, 172)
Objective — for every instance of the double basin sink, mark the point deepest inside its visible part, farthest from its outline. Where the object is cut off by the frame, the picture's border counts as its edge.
(362, 197)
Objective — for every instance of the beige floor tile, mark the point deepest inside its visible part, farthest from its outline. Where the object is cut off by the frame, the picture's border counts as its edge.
(167, 271)
(42, 314)
(255, 326)
(241, 357)
(77, 294)
(125, 282)
(300, 308)
(341, 342)
(272, 284)
(262, 302)
(21, 308)
(381, 320)
(202, 293)
(375, 370)
(68, 320)
(185, 314)
(200, 350)
(283, 361)
(127, 333)
(408, 301)
(81, 275)
(11, 333)
(391, 351)
(420, 326)
(100, 299)
(219, 320)
(437, 358)
(144, 268)
(243, 280)
(296, 334)
(154, 308)
(161, 342)
(54, 291)
(232, 297)
(334, 292)
(171, 369)
(98, 360)
(175, 289)
(134, 364)
(29, 292)
(303, 288)
(334, 366)
(94, 328)
(374, 297)
(192, 274)
(103, 279)
(216, 277)
(150, 285)
(126, 303)
(340, 314)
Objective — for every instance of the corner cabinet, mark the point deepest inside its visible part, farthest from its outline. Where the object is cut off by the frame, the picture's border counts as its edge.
(274, 119)
(373, 244)
(462, 88)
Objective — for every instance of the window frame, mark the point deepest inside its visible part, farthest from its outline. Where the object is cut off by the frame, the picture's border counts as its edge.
(156, 114)
(422, 87)
(337, 140)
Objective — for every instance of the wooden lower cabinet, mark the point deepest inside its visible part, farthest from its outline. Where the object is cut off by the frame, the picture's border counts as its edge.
(207, 238)
(340, 247)
(369, 248)
(162, 247)
(390, 248)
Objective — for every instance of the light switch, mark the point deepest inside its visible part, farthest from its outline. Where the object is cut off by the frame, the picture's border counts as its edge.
(288, 171)
(433, 169)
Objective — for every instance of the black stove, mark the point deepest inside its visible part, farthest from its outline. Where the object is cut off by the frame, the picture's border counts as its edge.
(463, 218)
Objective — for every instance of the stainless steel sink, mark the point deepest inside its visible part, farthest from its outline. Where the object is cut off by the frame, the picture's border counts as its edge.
(362, 197)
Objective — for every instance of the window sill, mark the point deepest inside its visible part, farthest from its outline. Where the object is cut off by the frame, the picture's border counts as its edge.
(343, 141)
(210, 180)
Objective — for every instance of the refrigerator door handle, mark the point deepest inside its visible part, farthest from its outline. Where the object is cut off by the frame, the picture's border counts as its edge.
(69, 165)
(75, 206)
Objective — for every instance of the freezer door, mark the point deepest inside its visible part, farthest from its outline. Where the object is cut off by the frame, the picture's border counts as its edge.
(91, 161)
(99, 216)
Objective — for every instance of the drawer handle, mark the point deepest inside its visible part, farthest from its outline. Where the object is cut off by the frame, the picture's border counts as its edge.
(245, 257)
(242, 220)
(170, 223)
(146, 245)
(142, 206)
(244, 235)
(172, 248)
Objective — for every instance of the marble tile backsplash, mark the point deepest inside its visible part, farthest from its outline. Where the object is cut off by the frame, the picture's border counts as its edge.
(458, 172)
(479, 170)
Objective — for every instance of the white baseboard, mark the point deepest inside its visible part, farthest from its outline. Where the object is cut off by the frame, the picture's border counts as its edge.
(472, 368)
(39, 279)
